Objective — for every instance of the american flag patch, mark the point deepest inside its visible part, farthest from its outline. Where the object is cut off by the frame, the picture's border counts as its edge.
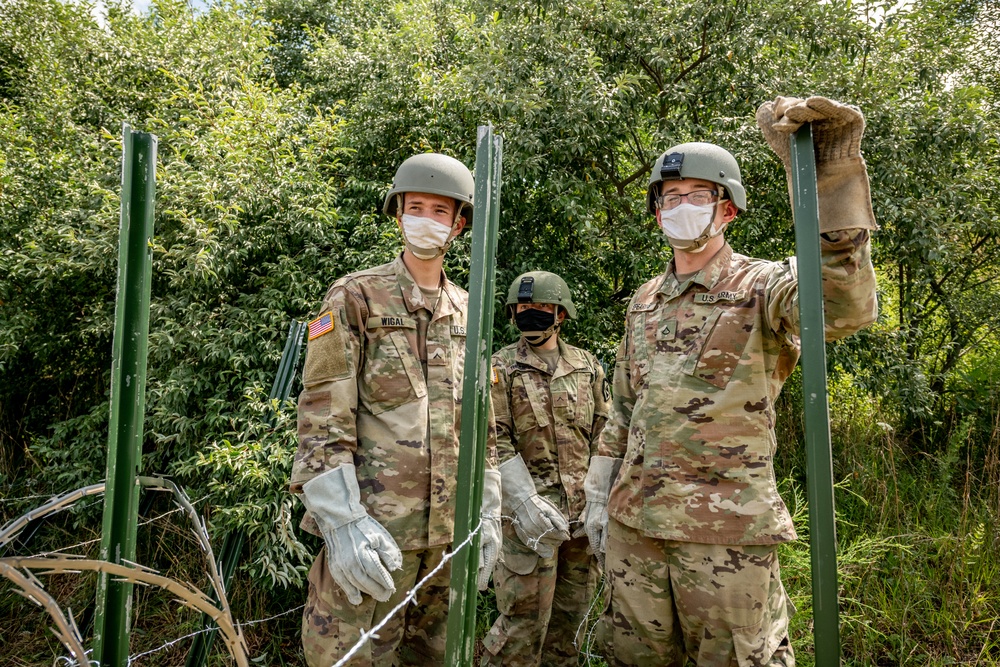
(321, 325)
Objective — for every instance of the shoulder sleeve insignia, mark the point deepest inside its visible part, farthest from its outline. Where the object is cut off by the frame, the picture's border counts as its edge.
(496, 376)
(321, 325)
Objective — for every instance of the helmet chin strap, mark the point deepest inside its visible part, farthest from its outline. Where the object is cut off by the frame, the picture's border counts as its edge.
(699, 244)
(536, 338)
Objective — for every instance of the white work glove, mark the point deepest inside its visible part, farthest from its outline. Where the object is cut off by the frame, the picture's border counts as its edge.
(597, 486)
(537, 522)
(490, 538)
(360, 552)
(841, 176)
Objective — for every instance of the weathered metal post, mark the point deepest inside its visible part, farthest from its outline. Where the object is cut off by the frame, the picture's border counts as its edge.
(819, 456)
(128, 384)
(475, 397)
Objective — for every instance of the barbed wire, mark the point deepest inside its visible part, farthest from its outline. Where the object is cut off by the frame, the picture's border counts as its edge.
(409, 597)
(54, 562)
(18, 571)
(138, 525)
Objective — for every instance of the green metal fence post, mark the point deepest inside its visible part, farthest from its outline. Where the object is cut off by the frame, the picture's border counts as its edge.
(819, 456)
(128, 383)
(475, 398)
(232, 546)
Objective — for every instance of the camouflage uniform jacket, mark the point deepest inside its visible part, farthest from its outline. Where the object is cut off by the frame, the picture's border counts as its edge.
(366, 401)
(695, 383)
(551, 418)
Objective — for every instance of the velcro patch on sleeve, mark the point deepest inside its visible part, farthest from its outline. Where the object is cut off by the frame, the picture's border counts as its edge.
(326, 356)
(321, 325)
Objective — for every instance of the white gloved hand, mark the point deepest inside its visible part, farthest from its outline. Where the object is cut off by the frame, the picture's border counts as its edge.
(360, 552)
(841, 175)
(490, 538)
(597, 486)
(537, 522)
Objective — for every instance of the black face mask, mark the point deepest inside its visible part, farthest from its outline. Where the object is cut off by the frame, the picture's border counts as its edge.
(536, 325)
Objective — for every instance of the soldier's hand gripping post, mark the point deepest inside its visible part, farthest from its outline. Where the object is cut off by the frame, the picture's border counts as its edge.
(694, 514)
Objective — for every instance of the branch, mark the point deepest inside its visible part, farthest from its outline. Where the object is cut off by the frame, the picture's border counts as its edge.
(13, 528)
(702, 57)
(65, 630)
(187, 595)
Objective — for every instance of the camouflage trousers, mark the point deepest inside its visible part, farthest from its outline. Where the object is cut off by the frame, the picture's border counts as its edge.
(415, 635)
(716, 604)
(543, 604)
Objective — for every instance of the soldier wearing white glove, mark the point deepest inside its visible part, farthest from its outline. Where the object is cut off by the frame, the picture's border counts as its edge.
(360, 553)
(538, 523)
(597, 486)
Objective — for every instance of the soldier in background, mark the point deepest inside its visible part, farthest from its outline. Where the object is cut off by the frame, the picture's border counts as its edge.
(379, 425)
(551, 404)
(685, 469)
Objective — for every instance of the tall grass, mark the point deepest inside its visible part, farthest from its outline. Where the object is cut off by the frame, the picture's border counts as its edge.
(918, 555)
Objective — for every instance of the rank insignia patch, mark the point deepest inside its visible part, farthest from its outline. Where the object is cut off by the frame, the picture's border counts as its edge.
(321, 325)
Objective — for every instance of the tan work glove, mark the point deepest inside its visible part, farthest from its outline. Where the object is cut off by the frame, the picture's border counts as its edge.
(842, 179)
(491, 539)
(597, 486)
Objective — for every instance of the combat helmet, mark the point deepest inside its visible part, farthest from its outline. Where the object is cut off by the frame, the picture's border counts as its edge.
(697, 160)
(434, 174)
(540, 287)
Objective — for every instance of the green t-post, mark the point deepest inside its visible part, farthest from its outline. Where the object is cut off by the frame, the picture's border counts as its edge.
(819, 456)
(128, 383)
(475, 398)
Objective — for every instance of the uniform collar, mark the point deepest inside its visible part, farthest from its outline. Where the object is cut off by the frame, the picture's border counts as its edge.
(568, 361)
(414, 298)
(707, 277)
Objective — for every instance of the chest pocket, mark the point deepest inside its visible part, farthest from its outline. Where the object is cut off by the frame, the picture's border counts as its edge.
(528, 404)
(392, 375)
(723, 348)
(573, 401)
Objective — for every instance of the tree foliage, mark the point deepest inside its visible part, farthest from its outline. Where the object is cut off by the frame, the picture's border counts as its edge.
(280, 124)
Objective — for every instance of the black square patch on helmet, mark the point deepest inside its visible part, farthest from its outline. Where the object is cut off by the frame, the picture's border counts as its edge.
(526, 290)
(671, 169)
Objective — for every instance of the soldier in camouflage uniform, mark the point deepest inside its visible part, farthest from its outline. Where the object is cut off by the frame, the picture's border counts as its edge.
(379, 424)
(551, 404)
(685, 465)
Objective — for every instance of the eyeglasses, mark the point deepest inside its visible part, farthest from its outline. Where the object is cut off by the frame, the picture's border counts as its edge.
(698, 198)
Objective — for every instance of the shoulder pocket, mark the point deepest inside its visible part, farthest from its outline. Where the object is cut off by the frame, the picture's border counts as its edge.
(327, 355)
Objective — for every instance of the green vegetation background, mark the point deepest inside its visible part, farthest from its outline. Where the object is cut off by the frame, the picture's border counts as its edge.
(280, 123)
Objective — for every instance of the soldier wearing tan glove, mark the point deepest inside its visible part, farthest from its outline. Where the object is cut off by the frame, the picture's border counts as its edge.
(845, 200)
(694, 514)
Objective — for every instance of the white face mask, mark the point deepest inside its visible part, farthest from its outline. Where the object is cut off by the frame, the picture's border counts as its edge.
(426, 238)
(689, 227)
